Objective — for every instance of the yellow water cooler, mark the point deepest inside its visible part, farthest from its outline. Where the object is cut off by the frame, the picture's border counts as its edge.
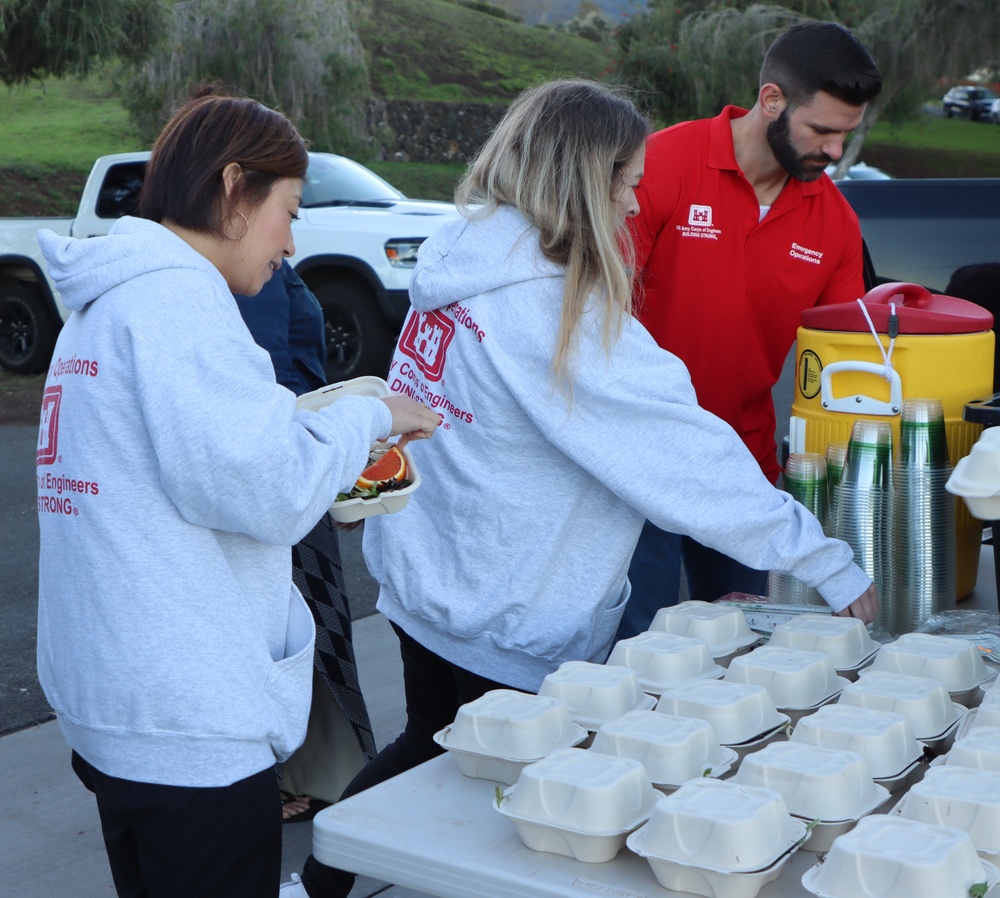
(862, 359)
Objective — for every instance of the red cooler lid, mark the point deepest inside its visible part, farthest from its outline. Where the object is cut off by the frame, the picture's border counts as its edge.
(918, 310)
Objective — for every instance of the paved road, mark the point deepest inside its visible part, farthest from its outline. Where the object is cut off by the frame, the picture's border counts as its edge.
(21, 700)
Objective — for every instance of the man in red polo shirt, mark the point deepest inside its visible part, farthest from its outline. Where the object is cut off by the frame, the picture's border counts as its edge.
(739, 230)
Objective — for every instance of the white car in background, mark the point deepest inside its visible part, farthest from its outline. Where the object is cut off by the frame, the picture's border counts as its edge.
(860, 172)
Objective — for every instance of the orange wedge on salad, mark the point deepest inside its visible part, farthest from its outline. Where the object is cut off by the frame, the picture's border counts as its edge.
(391, 466)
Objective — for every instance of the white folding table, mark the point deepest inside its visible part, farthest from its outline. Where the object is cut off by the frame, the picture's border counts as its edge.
(434, 830)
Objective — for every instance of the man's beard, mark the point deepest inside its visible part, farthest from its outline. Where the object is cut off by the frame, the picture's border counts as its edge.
(798, 166)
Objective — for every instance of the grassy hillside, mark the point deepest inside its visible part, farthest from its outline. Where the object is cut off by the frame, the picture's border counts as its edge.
(50, 133)
(436, 50)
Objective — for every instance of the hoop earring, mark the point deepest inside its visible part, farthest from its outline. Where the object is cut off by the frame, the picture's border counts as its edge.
(246, 227)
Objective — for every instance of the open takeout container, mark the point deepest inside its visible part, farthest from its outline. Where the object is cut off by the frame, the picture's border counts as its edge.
(351, 510)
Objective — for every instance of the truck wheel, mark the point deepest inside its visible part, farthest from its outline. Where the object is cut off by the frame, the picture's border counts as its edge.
(359, 340)
(27, 333)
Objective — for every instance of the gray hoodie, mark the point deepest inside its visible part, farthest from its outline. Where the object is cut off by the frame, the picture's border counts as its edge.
(512, 556)
(174, 475)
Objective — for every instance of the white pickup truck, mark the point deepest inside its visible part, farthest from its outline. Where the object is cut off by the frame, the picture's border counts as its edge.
(355, 246)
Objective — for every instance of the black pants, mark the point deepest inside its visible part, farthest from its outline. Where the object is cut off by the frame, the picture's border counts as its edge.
(435, 689)
(181, 842)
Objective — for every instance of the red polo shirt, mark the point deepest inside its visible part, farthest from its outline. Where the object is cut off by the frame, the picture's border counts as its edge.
(723, 290)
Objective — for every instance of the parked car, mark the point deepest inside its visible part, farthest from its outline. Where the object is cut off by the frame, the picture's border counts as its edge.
(356, 243)
(995, 112)
(860, 172)
(969, 101)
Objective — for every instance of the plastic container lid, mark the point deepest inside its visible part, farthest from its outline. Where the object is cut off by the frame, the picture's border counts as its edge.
(817, 783)
(918, 310)
(794, 678)
(582, 790)
(845, 639)
(596, 693)
(955, 662)
(924, 701)
(504, 723)
(721, 825)
(738, 712)
(892, 857)
(965, 798)
(672, 749)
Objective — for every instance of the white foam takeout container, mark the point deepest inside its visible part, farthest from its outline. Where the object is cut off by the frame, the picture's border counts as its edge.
(672, 749)
(976, 477)
(350, 510)
(579, 803)
(719, 825)
(844, 639)
(794, 678)
(891, 857)
(738, 712)
(596, 693)
(725, 629)
(661, 659)
(884, 738)
(924, 701)
(979, 748)
(962, 797)
(817, 783)
(496, 735)
(955, 662)
(986, 715)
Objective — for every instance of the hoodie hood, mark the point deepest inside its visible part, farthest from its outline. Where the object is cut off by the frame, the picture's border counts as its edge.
(83, 270)
(485, 251)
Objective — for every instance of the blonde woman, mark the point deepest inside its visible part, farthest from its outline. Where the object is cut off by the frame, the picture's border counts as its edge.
(564, 427)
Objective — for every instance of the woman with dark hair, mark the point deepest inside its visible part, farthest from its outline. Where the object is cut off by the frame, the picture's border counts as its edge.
(567, 427)
(175, 475)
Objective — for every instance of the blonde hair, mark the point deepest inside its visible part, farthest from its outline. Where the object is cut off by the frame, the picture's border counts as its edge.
(557, 156)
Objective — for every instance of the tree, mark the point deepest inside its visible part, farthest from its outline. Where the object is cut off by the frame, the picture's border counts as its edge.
(301, 57)
(41, 38)
(914, 43)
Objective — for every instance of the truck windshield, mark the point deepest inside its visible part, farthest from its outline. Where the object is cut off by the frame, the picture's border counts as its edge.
(335, 181)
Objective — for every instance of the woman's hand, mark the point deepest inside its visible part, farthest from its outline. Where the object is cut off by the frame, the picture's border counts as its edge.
(412, 419)
(864, 607)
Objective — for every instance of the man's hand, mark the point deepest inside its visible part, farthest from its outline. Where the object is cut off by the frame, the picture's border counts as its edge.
(864, 607)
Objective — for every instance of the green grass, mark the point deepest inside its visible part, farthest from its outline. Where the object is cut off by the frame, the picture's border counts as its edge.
(435, 50)
(935, 132)
(63, 123)
(421, 180)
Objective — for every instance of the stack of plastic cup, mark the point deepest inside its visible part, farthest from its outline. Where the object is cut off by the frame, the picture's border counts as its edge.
(805, 480)
(836, 453)
(863, 499)
(923, 517)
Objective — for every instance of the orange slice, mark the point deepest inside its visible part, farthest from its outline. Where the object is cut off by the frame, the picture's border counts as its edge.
(391, 466)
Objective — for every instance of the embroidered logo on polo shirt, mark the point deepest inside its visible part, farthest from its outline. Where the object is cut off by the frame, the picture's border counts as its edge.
(700, 216)
(813, 256)
(699, 223)
(425, 340)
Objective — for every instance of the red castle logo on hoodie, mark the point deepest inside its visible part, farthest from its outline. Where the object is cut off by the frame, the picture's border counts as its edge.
(425, 340)
(48, 430)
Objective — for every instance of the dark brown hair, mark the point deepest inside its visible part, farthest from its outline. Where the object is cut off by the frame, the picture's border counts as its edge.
(183, 182)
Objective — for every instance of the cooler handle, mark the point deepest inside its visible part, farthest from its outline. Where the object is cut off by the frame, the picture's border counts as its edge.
(910, 295)
(860, 404)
